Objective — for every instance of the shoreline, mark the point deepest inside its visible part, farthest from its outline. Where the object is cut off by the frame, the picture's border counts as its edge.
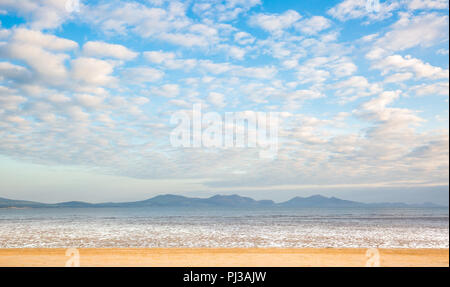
(223, 257)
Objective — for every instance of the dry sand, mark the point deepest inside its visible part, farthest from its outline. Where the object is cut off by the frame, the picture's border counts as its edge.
(224, 257)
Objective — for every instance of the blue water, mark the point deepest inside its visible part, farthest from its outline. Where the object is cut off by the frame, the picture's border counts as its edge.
(182, 227)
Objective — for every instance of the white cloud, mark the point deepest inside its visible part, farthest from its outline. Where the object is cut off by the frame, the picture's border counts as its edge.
(225, 10)
(398, 77)
(304, 95)
(106, 50)
(410, 31)
(11, 71)
(9, 100)
(398, 63)
(317, 70)
(353, 9)
(427, 4)
(181, 103)
(255, 72)
(89, 101)
(4, 33)
(376, 53)
(342, 67)
(217, 99)
(142, 74)
(391, 120)
(167, 90)
(16, 119)
(42, 14)
(441, 88)
(378, 105)
(203, 29)
(169, 60)
(77, 114)
(159, 57)
(235, 52)
(275, 23)
(355, 87)
(215, 68)
(92, 71)
(140, 19)
(290, 64)
(313, 25)
(103, 118)
(307, 74)
(169, 24)
(58, 98)
(45, 41)
(185, 39)
(442, 52)
(41, 52)
(244, 38)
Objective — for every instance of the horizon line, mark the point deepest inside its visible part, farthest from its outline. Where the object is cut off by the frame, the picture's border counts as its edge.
(235, 194)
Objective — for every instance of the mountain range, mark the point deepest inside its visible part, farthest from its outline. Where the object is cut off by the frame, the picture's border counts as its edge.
(227, 201)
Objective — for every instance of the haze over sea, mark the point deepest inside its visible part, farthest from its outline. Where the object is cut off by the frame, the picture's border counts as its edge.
(158, 227)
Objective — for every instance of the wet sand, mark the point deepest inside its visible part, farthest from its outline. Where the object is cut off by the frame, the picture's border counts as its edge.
(251, 257)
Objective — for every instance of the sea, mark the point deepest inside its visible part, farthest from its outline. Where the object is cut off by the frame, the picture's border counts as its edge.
(224, 228)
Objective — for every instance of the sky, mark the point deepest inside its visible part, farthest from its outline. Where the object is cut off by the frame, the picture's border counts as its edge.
(88, 90)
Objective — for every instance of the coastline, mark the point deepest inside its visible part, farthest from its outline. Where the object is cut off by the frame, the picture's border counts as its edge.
(223, 257)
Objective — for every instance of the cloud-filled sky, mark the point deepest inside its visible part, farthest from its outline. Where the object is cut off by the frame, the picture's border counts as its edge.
(88, 88)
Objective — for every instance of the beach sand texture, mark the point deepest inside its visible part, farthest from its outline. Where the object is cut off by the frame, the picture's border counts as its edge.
(154, 257)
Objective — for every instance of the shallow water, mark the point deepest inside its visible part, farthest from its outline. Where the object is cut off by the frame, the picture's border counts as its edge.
(274, 227)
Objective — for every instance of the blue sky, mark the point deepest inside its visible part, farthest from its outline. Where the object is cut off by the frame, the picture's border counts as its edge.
(87, 90)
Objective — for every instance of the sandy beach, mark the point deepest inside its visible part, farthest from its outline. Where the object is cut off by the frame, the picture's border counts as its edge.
(223, 257)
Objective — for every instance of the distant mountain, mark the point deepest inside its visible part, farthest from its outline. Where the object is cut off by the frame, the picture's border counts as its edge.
(225, 201)
(170, 200)
(4, 202)
(320, 201)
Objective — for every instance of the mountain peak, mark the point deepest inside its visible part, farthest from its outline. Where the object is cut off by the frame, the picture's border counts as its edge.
(317, 196)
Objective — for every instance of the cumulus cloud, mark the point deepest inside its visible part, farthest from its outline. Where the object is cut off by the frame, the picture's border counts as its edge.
(43, 53)
(224, 11)
(244, 38)
(353, 9)
(92, 71)
(142, 74)
(169, 60)
(275, 23)
(45, 41)
(398, 63)
(42, 14)
(13, 72)
(89, 101)
(106, 50)
(313, 25)
(159, 57)
(355, 87)
(427, 4)
(440, 88)
(167, 90)
(217, 99)
(168, 23)
(410, 31)
(9, 99)
(398, 77)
